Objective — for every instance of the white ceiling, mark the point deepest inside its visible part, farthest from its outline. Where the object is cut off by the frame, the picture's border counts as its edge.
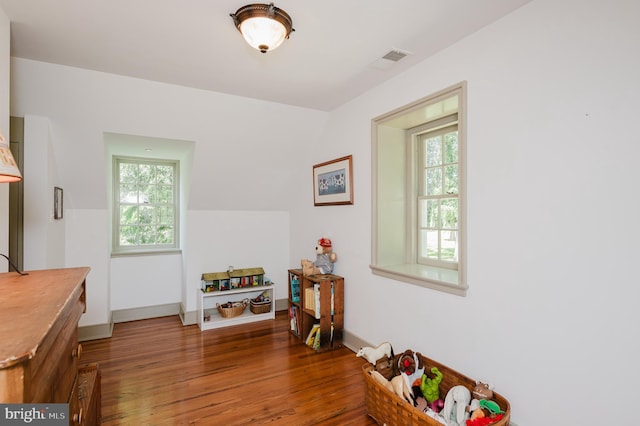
(327, 61)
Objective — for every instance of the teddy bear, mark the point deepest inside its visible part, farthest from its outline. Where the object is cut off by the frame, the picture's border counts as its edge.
(325, 258)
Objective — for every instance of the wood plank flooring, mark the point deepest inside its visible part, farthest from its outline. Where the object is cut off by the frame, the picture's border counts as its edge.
(159, 372)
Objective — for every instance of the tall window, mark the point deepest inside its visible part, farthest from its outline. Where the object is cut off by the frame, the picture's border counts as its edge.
(418, 192)
(145, 205)
(438, 207)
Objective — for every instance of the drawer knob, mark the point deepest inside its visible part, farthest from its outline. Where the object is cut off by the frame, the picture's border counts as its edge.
(77, 417)
(77, 352)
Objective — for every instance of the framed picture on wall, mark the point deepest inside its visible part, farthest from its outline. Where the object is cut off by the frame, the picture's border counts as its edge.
(333, 182)
(58, 201)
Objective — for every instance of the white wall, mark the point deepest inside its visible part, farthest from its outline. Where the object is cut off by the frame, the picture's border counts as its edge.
(244, 160)
(44, 237)
(242, 239)
(88, 234)
(550, 317)
(551, 314)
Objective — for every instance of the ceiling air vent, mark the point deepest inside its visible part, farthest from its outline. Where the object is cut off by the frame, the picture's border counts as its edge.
(389, 59)
(394, 55)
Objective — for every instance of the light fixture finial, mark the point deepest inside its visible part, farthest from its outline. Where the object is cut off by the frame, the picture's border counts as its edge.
(263, 26)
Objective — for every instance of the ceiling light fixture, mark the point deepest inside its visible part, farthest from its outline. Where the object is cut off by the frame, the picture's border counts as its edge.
(263, 26)
(8, 168)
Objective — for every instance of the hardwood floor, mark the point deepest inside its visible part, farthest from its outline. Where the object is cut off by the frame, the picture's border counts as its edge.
(159, 372)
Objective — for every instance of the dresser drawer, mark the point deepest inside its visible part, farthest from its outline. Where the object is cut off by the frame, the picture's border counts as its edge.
(85, 400)
(54, 371)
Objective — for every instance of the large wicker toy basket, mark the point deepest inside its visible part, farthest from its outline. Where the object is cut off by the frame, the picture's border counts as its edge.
(385, 407)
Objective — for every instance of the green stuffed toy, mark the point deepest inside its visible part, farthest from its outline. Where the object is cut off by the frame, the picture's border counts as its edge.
(429, 387)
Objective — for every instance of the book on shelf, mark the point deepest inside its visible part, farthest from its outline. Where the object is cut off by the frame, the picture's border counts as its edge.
(332, 299)
(312, 300)
(316, 340)
(294, 320)
(295, 288)
(309, 299)
(313, 335)
(316, 299)
(331, 336)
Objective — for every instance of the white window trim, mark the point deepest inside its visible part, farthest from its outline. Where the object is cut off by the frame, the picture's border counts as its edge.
(406, 268)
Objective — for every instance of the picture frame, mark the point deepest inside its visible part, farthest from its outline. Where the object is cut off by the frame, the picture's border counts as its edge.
(58, 203)
(333, 182)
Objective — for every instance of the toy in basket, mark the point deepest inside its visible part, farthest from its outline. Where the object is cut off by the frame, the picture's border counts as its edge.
(399, 401)
(261, 304)
(232, 309)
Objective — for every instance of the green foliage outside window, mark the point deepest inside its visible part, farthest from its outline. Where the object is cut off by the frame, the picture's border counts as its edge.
(146, 203)
(438, 203)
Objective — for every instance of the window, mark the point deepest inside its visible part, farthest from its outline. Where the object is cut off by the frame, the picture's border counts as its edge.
(418, 192)
(438, 198)
(145, 205)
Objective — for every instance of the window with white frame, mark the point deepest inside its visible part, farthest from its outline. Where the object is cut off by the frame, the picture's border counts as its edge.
(418, 192)
(145, 212)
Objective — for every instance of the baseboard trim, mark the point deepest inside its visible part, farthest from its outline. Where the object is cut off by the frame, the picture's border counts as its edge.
(157, 311)
(282, 304)
(188, 318)
(95, 332)
(354, 342)
(103, 331)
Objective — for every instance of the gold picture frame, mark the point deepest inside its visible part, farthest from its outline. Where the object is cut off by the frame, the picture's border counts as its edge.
(333, 182)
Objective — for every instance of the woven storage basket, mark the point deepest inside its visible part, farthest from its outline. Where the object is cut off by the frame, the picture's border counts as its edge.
(236, 308)
(385, 407)
(260, 307)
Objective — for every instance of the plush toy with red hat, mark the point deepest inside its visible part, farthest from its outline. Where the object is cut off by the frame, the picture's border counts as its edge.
(325, 258)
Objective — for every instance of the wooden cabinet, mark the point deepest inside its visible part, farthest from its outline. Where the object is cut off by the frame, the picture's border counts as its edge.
(39, 349)
(320, 304)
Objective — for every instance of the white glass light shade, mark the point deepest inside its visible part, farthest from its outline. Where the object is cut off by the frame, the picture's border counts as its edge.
(264, 34)
(8, 168)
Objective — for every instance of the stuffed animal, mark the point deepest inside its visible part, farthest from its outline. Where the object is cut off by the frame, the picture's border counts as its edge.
(411, 369)
(429, 387)
(455, 406)
(411, 366)
(396, 385)
(483, 390)
(325, 258)
(407, 362)
(380, 357)
(374, 354)
(400, 387)
(308, 268)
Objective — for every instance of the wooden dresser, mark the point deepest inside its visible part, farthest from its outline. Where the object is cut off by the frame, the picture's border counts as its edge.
(39, 350)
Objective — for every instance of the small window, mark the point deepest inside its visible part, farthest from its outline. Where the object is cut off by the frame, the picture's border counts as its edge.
(418, 192)
(145, 212)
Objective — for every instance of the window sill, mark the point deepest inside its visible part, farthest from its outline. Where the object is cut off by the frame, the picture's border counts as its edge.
(145, 253)
(441, 279)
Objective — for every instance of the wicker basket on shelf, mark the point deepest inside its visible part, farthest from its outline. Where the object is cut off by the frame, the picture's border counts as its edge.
(232, 309)
(385, 407)
(260, 307)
